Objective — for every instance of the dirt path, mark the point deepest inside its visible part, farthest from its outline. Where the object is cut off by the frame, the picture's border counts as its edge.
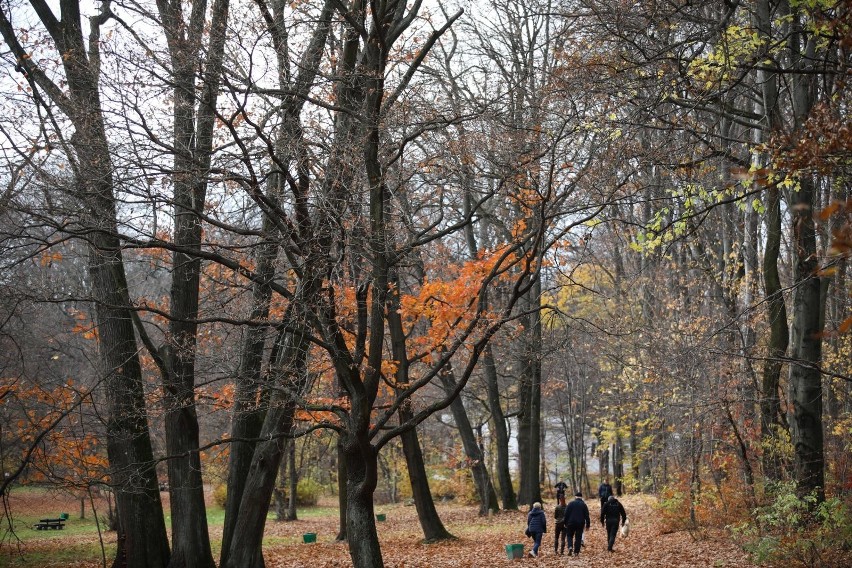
(482, 543)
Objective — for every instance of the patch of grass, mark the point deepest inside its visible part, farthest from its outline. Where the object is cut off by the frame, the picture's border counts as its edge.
(312, 512)
(23, 527)
(49, 555)
(78, 544)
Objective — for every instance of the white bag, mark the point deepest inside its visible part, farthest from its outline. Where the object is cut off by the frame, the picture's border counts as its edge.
(625, 528)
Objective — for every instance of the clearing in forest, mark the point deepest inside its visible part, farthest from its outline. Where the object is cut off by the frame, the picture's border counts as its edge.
(481, 540)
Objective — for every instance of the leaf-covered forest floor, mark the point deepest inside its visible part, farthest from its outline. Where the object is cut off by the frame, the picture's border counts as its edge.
(480, 541)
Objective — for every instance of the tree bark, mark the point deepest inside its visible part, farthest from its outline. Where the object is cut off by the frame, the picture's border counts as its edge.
(805, 378)
(618, 464)
(193, 143)
(531, 452)
(524, 434)
(142, 540)
(770, 400)
(292, 380)
(479, 472)
(342, 493)
(430, 522)
(362, 467)
(501, 433)
(248, 418)
(293, 481)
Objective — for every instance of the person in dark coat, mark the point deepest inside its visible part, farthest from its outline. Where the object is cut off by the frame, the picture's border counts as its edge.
(560, 487)
(536, 527)
(576, 518)
(611, 513)
(559, 516)
(604, 491)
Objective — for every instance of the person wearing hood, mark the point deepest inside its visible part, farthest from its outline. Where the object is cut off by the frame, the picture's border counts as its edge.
(536, 527)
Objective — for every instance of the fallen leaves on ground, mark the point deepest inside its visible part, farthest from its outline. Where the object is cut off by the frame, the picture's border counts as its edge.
(481, 541)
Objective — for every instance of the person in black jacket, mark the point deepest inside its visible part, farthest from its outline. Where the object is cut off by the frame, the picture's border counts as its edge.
(560, 487)
(604, 491)
(559, 515)
(536, 527)
(611, 512)
(576, 518)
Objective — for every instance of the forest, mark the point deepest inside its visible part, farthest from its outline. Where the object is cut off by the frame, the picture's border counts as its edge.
(255, 252)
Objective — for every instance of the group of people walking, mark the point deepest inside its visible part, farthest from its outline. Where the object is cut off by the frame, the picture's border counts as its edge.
(573, 518)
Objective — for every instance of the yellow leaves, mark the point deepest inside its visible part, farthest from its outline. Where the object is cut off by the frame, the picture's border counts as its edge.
(577, 295)
(843, 427)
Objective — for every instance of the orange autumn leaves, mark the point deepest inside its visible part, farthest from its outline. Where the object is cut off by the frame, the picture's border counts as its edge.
(446, 307)
(50, 433)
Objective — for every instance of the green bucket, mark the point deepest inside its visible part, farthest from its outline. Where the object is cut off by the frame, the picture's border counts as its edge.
(381, 517)
(63, 516)
(514, 551)
(309, 537)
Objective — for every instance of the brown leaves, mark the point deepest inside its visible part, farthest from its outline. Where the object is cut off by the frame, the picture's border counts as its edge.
(481, 541)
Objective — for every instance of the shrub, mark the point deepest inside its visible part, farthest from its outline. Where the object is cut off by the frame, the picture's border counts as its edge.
(308, 492)
(220, 494)
(797, 531)
(673, 510)
(448, 484)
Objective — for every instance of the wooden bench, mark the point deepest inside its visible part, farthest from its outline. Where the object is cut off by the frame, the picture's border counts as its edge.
(54, 524)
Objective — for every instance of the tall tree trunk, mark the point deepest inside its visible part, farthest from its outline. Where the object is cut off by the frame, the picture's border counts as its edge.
(524, 434)
(770, 400)
(479, 472)
(247, 418)
(290, 374)
(618, 464)
(279, 494)
(193, 142)
(604, 461)
(805, 378)
(501, 433)
(530, 474)
(142, 541)
(806, 353)
(342, 493)
(292, 481)
(362, 468)
(430, 522)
